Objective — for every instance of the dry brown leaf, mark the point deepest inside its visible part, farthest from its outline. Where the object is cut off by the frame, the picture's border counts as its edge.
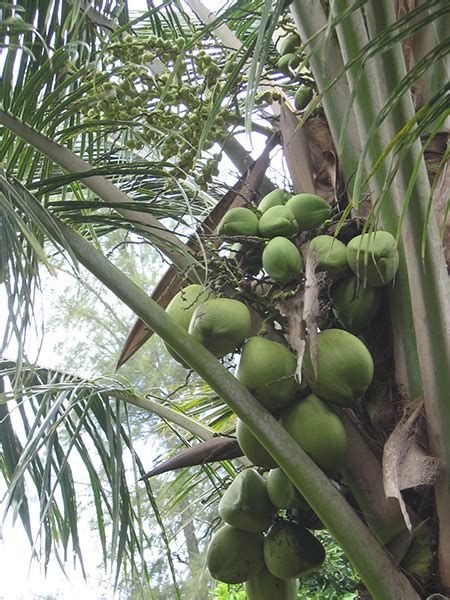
(405, 464)
(213, 450)
(324, 159)
(296, 151)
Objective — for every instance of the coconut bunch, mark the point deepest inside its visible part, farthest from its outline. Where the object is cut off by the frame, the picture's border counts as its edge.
(266, 541)
(256, 545)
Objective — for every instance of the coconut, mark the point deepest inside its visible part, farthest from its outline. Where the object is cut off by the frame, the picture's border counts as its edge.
(275, 198)
(330, 254)
(373, 257)
(234, 556)
(289, 44)
(277, 220)
(291, 551)
(182, 307)
(302, 97)
(265, 586)
(221, 325)
(344, 367)
(309, 210)
(239, 221)
(281, 260)
(267, 369)
(355, 306)
(288, 62)
(253, 450)
(318, 430)
(245, 504)
(282, 492)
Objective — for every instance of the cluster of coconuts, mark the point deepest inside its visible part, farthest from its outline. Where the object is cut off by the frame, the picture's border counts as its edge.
(337, 371)
(260, 546)
(289, 47)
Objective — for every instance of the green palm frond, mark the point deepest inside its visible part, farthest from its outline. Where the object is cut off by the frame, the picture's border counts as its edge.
(53, 409)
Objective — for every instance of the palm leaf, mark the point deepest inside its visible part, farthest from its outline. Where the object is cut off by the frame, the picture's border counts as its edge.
(245, 190)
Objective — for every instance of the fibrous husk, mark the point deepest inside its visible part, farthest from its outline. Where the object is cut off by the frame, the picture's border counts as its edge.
(343, 369)
(405, 462)
(318, 430)
(291, 551)
(309, 210)
(253, 450)
(277, 220)
(267, 369)
(282, 260)
(221, 325)
(265, 586)
(355, 306)
(331, 255)
(373, 257)
(245, 504)
(239, 221)
(234, 556)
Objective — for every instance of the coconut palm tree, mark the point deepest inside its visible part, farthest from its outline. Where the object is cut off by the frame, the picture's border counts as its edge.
(108, 118)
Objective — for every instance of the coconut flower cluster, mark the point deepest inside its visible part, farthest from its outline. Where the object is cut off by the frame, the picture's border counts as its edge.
(267, 540)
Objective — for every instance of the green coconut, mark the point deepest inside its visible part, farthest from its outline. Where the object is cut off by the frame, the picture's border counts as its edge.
(309, 210)
(235, 556)
(275, 198)
(373, 257)
(288, 62)
(281, 260)
(267, 369)
(265, 586)
(253, 450)
(277, 220)
(291, 551)
(239, 221)
(331, 255)
(344, 367)
(282, 492)
(289, 44)
(303, 97)
(182, 307)
(355, 306)
(318, 430)
(245, 504)
(221, 325)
